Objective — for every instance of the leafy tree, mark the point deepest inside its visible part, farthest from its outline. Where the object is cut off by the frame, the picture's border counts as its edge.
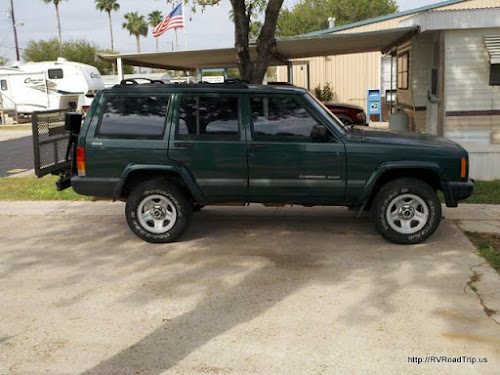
(3, 60)
(136, 25)
(154, 18)
(254, 30)
(108, 6)
(56, 4)
(42, 50)
(80, 51)
(348, 11)
(306, 16)
(312, 15)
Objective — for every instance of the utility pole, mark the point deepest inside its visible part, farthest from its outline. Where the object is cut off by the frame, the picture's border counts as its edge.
(15, 29)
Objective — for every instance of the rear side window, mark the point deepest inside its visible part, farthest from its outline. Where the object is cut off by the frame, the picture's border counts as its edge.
(4, 85)
(207, 117)
(134, 116)
(55, 73)
(280, 119)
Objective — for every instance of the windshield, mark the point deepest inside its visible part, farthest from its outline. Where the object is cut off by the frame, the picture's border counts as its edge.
(324, 109)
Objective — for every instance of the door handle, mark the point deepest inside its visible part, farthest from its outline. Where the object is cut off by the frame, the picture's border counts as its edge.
(258, 146)
(183, 144)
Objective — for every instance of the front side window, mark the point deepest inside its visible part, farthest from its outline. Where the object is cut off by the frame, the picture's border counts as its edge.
(134, 116)
(4, 85)
(280, 119)
(207, 117)
(55, 73)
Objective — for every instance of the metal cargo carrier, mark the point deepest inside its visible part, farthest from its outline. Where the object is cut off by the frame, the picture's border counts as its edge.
(50, 142)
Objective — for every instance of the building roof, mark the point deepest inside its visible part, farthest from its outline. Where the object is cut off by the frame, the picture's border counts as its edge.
(386, 17)
(286, 49)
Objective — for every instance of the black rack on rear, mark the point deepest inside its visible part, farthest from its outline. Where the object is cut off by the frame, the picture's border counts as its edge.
(54, 144)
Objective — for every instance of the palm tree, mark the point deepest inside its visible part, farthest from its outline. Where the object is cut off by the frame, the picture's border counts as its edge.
(108, 6)
(137, 26)
(154, 18)
(56, 3)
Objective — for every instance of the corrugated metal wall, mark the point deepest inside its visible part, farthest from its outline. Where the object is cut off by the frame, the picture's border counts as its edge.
(352, 75)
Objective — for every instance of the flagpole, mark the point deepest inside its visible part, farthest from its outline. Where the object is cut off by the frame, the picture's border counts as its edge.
(185, 27)
(176, 42)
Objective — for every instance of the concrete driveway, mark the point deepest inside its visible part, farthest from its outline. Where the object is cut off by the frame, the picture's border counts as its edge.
(247, 291)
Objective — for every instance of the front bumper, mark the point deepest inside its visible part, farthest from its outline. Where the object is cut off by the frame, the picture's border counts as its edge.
(456, 191)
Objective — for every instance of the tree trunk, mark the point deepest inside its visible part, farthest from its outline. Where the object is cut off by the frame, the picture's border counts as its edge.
(241, 28)
(254, 71)
(111, 32)
(59, 28)
(138, 41)
(266, 42)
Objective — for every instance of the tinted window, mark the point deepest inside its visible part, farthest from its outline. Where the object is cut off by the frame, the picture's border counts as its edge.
(134, 116)
(280, 118)
(3, 83)
(208, 117)
(55, 73)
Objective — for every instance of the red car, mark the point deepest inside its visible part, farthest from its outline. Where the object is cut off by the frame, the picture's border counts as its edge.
(347, 113)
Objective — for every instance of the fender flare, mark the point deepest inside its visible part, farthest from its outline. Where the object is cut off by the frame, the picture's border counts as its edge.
(395, 165)
(176, 168)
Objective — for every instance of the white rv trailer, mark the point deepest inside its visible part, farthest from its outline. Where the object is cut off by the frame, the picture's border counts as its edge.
(48, 85)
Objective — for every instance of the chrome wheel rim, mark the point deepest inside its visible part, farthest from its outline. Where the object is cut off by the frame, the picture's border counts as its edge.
(156, 214)
(407, 213)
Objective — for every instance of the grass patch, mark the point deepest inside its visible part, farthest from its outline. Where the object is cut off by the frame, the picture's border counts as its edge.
(15, 127)
(488, 246)
(35, 189)
(485, 192)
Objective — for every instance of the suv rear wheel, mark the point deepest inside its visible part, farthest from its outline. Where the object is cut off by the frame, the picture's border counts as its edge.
(406, 211)
(158, 211)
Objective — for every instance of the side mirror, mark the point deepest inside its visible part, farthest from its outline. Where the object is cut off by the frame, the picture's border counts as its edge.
(73, 122)
(320, 133)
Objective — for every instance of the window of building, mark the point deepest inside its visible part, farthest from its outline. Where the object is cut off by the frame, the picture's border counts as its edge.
(495, 74)
(208, 117)
(403, 71)
(3, 84)
(280, 119)
(134, 116)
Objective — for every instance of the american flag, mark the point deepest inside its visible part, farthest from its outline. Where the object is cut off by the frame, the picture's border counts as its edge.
(173, 21)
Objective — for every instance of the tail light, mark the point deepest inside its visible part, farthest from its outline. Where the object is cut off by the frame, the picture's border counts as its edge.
(85, 108)
(80, 161)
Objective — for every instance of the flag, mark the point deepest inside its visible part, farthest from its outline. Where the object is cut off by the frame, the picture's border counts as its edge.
(173, 21)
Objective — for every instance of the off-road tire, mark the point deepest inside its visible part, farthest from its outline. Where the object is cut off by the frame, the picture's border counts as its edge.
(389, 193)
(172, 194)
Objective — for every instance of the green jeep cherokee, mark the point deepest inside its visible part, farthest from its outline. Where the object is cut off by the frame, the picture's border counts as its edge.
(168, 150)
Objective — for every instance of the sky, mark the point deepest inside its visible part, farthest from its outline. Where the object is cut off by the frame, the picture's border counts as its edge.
(79, 19)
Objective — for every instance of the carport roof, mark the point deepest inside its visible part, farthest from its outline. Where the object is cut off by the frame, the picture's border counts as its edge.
(286, 49)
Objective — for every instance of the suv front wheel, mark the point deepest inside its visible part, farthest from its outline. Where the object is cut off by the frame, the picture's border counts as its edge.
(158, 211)
(406, 211)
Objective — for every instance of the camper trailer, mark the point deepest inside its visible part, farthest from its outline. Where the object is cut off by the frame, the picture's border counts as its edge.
(30, 87)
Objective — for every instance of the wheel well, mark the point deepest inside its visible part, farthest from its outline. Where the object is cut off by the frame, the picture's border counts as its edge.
(136, 177)
(426, 175)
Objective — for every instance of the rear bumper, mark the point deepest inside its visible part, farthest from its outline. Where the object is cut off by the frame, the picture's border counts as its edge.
(457, 191)
(97, 187)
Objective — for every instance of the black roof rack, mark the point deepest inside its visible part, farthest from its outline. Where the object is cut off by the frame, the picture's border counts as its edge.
(280, 84)
(133, 81)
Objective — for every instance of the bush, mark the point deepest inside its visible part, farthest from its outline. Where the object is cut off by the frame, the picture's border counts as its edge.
(325, 93)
